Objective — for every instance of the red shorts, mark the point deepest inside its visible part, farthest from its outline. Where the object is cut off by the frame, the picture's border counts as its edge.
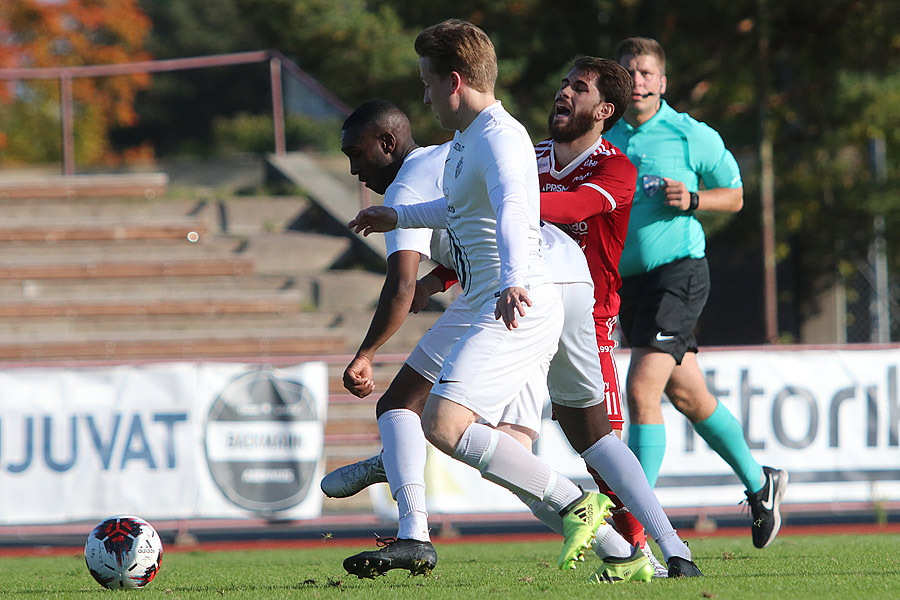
(607, 344)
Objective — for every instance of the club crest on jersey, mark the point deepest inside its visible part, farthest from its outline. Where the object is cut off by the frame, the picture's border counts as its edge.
(459, 167)
(651, 184)
(543, 164)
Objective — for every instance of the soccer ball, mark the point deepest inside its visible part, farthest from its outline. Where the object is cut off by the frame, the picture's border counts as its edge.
(123, 552)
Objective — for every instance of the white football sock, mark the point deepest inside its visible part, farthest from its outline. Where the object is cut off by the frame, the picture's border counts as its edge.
(404, 465)
(404, 448)
(544, 514)
(620, 469)
(506, 462)
(413, 515)
(610, 543)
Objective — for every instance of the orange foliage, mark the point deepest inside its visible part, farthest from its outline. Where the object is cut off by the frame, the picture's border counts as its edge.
(63, 33)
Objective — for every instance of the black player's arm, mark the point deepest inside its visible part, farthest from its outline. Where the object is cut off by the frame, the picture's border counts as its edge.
(438, 280)
(444, 278)
(394, 301)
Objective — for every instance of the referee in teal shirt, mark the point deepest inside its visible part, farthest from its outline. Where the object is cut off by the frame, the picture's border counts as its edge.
(665, 279)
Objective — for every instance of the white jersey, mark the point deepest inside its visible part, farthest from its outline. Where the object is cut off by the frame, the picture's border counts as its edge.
(492, 208)
(418, 180)
(564, 256)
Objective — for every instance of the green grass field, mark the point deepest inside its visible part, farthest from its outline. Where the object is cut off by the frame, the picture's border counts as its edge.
(794, 568)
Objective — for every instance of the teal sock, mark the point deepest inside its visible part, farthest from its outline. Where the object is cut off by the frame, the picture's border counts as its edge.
(648, 442)
(724, 434)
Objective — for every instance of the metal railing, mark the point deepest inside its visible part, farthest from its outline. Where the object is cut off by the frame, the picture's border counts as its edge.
(278, 63)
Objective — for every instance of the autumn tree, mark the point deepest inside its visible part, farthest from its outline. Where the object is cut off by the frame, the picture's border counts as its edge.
(68, 33)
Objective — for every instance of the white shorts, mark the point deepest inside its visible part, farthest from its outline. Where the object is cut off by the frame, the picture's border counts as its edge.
(428, 357)
(575, 377)
(489, 365)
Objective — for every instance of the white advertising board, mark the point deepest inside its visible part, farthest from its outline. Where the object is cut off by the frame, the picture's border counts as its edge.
(169, 440)
(830, 417)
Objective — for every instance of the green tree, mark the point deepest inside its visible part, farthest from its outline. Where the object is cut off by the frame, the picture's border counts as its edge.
(177, 114)
(836, 86)
(357, 49)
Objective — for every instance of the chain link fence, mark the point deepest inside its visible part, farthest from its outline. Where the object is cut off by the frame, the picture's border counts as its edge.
(872, 312)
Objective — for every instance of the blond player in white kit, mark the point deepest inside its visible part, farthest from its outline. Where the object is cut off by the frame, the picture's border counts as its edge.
(491, 212)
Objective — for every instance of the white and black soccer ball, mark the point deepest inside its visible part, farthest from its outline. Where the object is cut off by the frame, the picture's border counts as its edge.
(123, 552)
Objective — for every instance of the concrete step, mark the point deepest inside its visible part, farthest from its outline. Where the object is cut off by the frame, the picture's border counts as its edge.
(239, 215)
(51, 233)
(235, 214)
(163, 287)
(292, 253)
(348, 290)
(168, 345)
(356, 323)
(244, 215)
(294, 322)
(120, 185)
(350, 327)
(281, 303)
(285, 253)
(285, 311)
(120, 278)
(106, 210)
(113, 268)
(336, 195)
(125, 249)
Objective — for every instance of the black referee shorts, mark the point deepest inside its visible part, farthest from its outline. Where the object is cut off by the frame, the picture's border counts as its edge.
(660, 308)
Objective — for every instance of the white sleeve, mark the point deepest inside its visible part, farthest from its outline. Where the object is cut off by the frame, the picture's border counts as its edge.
(418, 240)
(506, 177)
(431, 214)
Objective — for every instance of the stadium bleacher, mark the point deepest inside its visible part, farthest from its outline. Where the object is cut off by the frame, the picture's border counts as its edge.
(88, 278)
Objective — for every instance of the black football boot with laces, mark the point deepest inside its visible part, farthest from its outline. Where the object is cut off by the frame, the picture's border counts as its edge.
(765, 507)
(682, 567)
(417, 557)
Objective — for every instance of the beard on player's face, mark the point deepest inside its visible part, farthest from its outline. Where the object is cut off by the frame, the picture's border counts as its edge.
(578, 123)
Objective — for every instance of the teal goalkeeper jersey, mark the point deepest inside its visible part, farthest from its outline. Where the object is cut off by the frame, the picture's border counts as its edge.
(675, 145)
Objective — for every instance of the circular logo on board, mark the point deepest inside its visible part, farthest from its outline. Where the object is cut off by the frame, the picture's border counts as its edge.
(263, 442)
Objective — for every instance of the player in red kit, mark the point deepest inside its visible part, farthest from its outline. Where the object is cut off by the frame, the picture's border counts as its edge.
(598, 186)
(587, 186)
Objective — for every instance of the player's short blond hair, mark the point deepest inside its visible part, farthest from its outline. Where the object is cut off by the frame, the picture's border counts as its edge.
(641, 46)
(461, 47)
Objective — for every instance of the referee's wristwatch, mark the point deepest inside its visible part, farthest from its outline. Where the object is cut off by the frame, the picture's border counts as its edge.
(695, 201)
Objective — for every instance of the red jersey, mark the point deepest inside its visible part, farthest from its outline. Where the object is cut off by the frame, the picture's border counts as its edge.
(591, 200)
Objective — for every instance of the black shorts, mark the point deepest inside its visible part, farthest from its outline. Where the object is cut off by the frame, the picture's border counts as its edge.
(660, 308)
